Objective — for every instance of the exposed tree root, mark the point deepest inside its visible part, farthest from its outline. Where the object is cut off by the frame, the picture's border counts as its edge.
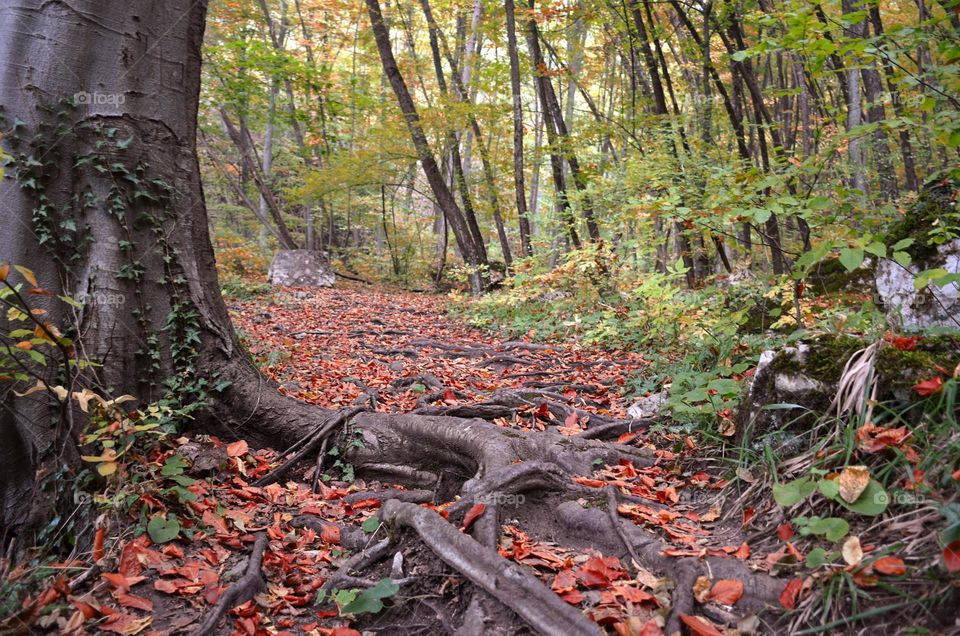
(311, 444)
(511, 584)
(358, 562)
(240, 592)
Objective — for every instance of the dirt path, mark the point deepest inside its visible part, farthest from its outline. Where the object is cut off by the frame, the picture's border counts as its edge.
(333, 345)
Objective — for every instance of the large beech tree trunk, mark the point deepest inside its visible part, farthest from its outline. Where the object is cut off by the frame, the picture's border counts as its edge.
(103, 201)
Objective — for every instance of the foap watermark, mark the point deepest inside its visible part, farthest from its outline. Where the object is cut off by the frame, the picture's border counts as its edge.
(84, 98)
(101, 299)
(501, 499)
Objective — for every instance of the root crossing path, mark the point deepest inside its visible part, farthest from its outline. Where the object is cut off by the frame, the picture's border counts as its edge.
(454, 483)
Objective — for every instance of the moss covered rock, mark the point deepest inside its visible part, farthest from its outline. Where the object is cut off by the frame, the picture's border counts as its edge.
(807, 375)
(929, 223)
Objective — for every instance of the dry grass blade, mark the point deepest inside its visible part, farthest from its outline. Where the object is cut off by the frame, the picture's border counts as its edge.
(853, 385)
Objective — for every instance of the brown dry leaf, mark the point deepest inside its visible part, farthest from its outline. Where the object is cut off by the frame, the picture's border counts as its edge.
(712, 515)
(853, 481)
(852, 552)
(701, 589)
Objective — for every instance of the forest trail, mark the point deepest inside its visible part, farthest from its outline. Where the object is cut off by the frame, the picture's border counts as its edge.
(330, 346)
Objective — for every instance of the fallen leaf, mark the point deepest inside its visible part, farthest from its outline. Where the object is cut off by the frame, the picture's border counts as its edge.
(700, 626)
(853, 481)
(475, 511)
(785, 531)
(851, 551)
(238, 448)
(788, 597)
(951, 556)
(120, 581)
(727, 591)
(890, 565)
(929, 387)
(125, 624)
(330, 534)
(133, 601)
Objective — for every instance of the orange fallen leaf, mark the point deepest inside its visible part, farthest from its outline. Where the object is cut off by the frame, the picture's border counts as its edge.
(238, 448)
(890, 565)
(726, 591)
(97, 553)
(121, 581)
(853, 480)
(700, 626)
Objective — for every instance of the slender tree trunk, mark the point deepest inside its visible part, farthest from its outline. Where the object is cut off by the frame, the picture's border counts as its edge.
(556, 160)
(906, 148)
(518, 175)
(854, 114)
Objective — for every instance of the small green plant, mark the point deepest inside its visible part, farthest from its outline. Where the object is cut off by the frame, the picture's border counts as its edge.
(352, 602)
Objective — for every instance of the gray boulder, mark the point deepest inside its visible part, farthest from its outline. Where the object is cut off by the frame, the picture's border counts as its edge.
(301, 268)
(931, 306)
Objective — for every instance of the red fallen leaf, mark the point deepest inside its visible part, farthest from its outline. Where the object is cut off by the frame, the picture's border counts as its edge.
(626, 437)
(563, 581)
(951, 556)
(125, 623)
(743, 552)
(173, 550)
(929, 387)
(632, 594)
(600, 571)
(543, 411)
(726, 591)
(572, 420)
(372, 502)
(700, 626)
(449, 397)
(475, 511)
(748, 515)
(237, 448)
(574, 597)
(330, 534)
(97, 553)
(121, 581)
(133, 601)
(904, 343)
(785, 531)
(166, 585)
(88, 610)
(788, 597)
(345, 631)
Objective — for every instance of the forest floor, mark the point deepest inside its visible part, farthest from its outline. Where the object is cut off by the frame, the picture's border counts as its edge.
(235, 530)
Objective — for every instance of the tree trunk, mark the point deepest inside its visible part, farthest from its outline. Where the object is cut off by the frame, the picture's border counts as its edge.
(518, 176)
(116, 118)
